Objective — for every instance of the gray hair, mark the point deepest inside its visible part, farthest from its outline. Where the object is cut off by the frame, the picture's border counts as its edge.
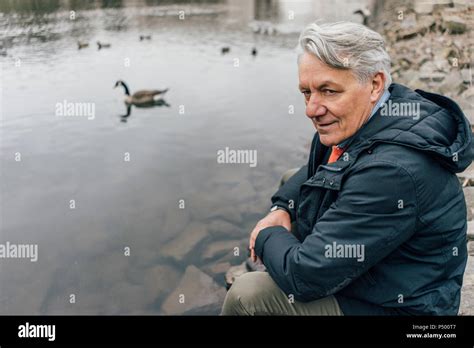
(346, 45)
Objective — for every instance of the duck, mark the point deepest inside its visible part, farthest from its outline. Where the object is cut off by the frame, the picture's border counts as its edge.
(82, 44)
(225, 50)
(143, 97)
(101, 45)
(365, 13)
(145, 37)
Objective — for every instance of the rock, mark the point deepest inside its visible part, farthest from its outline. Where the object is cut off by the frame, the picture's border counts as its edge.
(228, 213)
(455, 24)
(180, 247)
(466, 178)
(159, 280)
(217, 268)
(470, 230)
(440, 2)
(461, 5)
(433, 71)
(469, 196)
(175, 220)
(223, 248)
(423, 7)
(436, 65)
(433, 76)
(470, 248)
(414, 82)
(467, 291)
(219, 229)
(466, 76)
(466, 101)
(234, 272)
(196, 293)
(411, 27)
(125, 298)
(213, 309)
(451, 83)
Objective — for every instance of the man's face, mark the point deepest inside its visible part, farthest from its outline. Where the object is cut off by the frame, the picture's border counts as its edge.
(336, 102)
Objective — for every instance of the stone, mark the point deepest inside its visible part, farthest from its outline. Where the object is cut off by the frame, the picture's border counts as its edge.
(440, 2)
(234, 272)
(469, 197)
(470, 248)
(466, 76)
(213, 309)
(451, 83)
(160, 280)
(217, 268)
(175, 220)
(123, 298)
(433, 76)
(228, 213)
(180, 247)
(470, 230)
(467, 292)
(411, 28)
(223, 248)
(455, 24)
(195, 293)
(219, 229)
(423, 7)
(461, 5)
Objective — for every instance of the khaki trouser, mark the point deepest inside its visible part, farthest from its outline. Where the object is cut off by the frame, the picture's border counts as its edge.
(256, 293)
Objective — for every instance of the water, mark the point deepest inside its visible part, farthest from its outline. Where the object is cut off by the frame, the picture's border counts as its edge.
(50, 163)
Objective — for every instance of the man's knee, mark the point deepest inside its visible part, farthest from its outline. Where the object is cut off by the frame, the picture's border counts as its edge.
(287, 175)
(246, 292)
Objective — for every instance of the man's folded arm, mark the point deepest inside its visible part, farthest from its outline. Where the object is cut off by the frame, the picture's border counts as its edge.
(375, 212)
(287, 195)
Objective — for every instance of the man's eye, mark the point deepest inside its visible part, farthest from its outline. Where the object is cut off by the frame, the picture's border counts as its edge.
(306, 94)
(329, 92)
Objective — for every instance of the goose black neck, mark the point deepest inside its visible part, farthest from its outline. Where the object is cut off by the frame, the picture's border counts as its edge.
(127, 92)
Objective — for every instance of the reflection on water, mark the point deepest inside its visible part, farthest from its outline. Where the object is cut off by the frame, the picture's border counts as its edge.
(89, 189)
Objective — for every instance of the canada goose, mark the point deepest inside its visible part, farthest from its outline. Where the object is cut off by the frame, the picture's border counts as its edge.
(101, 45)
(145, 37)
(225, 50)
(143, 97)
(254, 52)
(81, 45)
(365, 13)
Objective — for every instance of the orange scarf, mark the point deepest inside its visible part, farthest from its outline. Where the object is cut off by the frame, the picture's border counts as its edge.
(335, 153)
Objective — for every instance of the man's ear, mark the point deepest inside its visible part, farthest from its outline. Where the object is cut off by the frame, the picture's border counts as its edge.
(378, 83)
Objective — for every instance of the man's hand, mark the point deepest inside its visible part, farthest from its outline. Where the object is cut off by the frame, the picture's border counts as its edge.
(275, 218)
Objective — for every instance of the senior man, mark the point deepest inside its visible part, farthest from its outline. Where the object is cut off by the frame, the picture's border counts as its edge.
(379, 213)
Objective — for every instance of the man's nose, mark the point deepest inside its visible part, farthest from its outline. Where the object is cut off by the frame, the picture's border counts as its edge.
(314, 107)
